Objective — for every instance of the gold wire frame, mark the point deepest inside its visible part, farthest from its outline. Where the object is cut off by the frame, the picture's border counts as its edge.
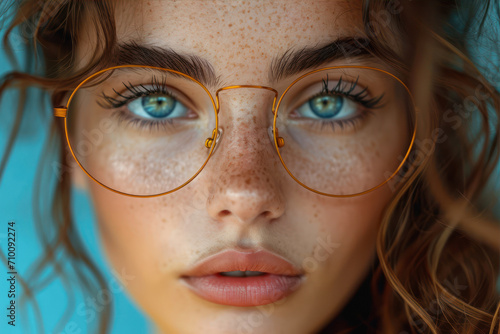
(62, 112)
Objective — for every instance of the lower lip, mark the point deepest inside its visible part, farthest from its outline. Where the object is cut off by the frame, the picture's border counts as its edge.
(243, 291)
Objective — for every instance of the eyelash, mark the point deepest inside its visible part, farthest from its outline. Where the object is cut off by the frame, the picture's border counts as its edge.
(360, 97)
(158, 87)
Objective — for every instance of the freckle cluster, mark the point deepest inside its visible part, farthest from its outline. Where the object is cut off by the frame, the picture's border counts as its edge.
(139, 163)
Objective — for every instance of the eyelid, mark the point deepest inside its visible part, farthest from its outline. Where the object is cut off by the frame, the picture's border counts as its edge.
(171, 91)
(316, 89)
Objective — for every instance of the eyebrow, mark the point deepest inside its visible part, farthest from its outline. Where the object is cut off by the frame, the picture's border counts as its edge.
(132, 53)
(292, 61)
(289, 63)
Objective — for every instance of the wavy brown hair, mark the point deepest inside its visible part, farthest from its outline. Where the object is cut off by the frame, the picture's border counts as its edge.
(438, 245)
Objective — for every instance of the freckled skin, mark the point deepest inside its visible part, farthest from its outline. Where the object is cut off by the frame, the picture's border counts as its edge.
(243, 197)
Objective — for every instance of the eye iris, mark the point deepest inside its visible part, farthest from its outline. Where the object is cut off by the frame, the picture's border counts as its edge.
(326, 106)
(158, 105)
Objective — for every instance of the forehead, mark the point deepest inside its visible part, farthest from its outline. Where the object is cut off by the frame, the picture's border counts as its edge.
(239, 38)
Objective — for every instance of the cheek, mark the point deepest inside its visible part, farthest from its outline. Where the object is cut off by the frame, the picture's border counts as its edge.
(351, 222)
(137, 234)
(153, 236)
(137, 166)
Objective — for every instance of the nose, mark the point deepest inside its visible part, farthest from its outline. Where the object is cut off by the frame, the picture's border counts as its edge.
(245, 173)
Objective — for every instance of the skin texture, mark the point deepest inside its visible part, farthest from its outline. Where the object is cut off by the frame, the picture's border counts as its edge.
(243, 198)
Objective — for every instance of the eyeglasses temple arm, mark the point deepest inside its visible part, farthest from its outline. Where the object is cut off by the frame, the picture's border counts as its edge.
(60, 111)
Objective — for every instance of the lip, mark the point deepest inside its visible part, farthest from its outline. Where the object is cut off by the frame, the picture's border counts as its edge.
(281, 279)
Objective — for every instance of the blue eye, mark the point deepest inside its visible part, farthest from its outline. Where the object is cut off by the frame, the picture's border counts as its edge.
(157, 107)
(328, 107)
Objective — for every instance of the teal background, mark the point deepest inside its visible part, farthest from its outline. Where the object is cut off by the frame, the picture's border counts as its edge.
(16, 187)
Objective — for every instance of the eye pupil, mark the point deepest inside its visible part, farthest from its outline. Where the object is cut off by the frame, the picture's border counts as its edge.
(158, 105)
(326, 106)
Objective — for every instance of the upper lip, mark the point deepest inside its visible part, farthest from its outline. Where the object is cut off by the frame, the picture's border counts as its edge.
(232, 260)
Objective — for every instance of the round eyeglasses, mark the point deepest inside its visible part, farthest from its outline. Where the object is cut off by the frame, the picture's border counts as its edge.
(146, 131)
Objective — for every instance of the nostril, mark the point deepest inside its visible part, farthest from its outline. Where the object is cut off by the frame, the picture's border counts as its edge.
(224, 213)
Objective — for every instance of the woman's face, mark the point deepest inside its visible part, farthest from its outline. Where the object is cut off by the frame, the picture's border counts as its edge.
(243, 200)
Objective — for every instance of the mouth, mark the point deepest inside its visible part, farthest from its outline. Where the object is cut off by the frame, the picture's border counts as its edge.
(239, 273)
(243, 279)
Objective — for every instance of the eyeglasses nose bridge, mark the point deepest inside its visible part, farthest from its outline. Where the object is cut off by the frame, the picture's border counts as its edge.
(217, 104)
(280, 140)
